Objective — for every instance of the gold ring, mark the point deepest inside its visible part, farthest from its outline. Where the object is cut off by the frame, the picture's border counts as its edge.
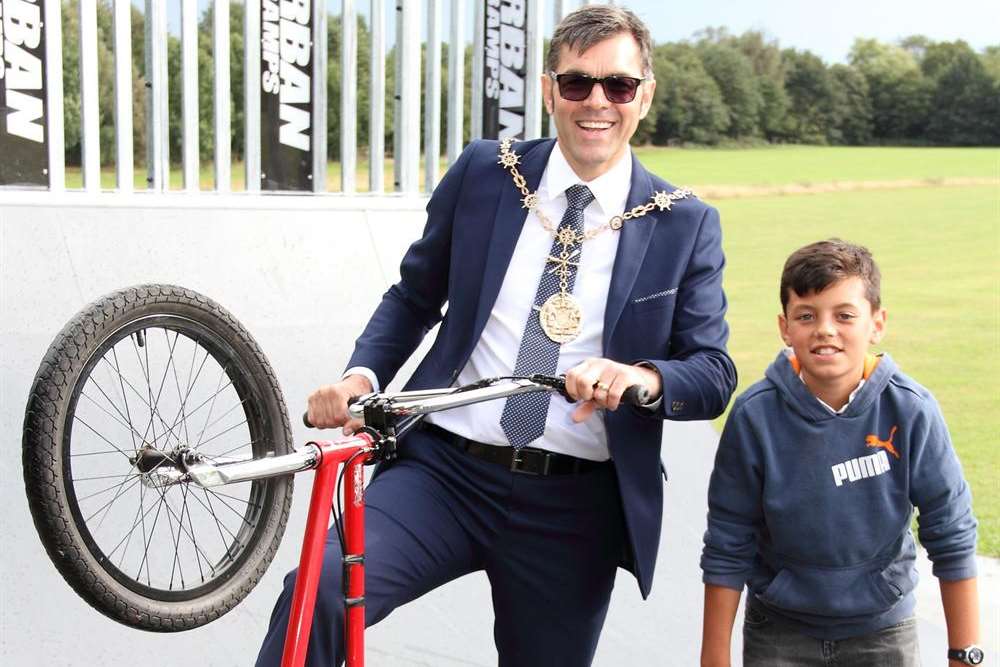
(601, 385)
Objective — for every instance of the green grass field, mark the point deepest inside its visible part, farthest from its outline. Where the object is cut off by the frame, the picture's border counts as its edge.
(780, 165)
(938, 247)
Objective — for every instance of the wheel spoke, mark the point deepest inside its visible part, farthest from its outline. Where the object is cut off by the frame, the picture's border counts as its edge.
(97, 493)
(77, 418)
(223, 374)
(220, 434)
(128, 415)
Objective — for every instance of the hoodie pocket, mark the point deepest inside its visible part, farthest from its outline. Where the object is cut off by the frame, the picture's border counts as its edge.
(838, 593)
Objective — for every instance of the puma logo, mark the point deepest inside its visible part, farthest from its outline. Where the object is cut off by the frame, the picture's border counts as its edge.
(873, 441)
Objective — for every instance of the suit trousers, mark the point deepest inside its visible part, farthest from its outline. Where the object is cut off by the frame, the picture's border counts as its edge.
(550, 546)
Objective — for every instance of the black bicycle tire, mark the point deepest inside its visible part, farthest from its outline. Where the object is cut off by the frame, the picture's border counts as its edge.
(49, 418)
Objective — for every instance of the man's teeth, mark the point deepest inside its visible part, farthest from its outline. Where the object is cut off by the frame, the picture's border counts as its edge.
(595, 124)
(825, 351)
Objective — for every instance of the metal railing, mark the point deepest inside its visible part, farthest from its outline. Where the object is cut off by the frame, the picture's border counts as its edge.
(411, 17)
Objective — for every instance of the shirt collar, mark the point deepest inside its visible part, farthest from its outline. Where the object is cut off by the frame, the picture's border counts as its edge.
(610, 189)
(844, 407)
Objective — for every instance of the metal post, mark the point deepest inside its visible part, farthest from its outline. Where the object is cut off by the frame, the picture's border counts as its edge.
(54, 96)
(560, 12)
(479, 37)
(89, 109)
(533, 73)
(432, 96)
(407, 142)
(376, 113)
(124, 163)
(189, 91)
(319, 53)
(348, 97)
(157, 130)
(251, 94)
(223, 93)
(456, 81)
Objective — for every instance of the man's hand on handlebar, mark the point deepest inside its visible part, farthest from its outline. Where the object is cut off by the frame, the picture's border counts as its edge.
(600, 383)
(328, 404)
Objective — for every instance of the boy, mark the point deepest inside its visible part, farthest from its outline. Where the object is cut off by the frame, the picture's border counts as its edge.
(817, 473)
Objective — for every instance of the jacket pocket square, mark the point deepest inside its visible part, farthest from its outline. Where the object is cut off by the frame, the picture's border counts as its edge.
(657, 295)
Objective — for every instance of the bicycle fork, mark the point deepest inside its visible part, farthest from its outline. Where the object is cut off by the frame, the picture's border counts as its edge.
(353, 454)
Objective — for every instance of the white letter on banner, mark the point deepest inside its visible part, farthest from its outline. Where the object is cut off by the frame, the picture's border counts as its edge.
(291, 134)
(25, 110)
(295, 88)
(295, 42)
(270, 11)
(512, 47)
(512, 12)
(511, 89)
(511, 124)
(22, 23)
(296, 10)
(24, 71)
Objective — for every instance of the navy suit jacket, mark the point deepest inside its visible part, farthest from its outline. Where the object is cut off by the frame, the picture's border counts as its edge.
(665, 305)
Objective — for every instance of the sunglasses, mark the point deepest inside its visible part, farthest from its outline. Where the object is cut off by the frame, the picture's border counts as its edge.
(577, 87)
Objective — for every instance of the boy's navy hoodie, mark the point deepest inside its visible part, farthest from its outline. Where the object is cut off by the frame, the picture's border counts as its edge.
(811, 510)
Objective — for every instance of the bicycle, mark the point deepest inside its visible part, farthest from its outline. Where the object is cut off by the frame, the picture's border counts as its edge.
(80, 399)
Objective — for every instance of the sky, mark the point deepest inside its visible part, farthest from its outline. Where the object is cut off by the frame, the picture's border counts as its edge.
(827, 29)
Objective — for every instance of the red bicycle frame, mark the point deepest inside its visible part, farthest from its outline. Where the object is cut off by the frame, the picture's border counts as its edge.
(352, 452)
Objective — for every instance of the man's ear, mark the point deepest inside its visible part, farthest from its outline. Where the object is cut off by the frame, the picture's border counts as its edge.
(648, 88)
(547, 92)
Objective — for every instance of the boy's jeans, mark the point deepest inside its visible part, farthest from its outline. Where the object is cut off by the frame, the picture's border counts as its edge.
(768, 644)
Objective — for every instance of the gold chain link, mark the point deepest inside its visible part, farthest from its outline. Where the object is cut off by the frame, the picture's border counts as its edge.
(529, 200)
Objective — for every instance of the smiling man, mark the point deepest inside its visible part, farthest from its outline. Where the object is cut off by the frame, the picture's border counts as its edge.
(553, 256)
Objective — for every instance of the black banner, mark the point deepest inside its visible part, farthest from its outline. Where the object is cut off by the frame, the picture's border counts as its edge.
(24, 157)
(504, 68)
(286, 95)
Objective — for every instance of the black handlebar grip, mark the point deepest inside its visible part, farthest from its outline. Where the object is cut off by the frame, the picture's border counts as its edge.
(636, 395)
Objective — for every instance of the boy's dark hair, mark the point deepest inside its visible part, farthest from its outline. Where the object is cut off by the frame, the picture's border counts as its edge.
(816, 266)
(583, 28)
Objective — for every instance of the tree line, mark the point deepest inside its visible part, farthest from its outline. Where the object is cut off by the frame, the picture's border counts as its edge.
(715, 88)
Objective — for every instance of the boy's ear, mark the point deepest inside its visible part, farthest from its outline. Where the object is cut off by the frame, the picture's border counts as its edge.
(879, 318)
(783, 329)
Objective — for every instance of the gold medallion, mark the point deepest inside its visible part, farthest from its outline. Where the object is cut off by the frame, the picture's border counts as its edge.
(561, 317)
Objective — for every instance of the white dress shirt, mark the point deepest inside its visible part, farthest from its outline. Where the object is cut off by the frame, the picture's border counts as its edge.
(496, 352)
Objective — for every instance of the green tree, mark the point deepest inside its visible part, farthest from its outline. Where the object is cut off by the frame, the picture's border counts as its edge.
(689, 103)
(810, 93)
(769, 69)
(733, 74)
(899, 92)
(851, 118)
(963, 97)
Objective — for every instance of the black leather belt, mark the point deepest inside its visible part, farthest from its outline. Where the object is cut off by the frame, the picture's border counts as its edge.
(527, 460)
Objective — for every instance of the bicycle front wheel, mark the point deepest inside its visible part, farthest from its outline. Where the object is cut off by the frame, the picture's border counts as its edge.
(137, 383)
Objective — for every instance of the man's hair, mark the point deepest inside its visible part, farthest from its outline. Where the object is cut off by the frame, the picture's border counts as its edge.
(816, 266)
(591, 24)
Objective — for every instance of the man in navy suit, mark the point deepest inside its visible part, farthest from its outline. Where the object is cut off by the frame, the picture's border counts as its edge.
(547, 497)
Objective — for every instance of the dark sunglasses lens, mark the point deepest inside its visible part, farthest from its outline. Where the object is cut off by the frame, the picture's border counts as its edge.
(575, 87)
(620, 90)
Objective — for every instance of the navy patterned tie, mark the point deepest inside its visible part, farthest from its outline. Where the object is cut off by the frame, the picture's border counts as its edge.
(523, 418)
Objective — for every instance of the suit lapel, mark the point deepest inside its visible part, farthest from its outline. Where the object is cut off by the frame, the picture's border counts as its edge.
(507, 225)
(635, 237)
